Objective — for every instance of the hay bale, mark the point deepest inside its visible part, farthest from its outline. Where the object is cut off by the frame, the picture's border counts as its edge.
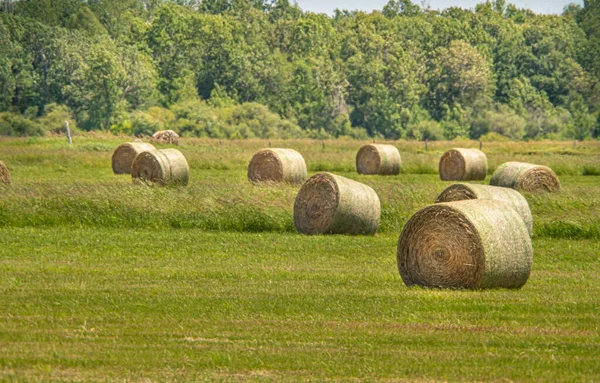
(330, 204)
(460, 192)
(463, 165)
(471, 244)
(525, 177)
(378, 159)
(277, 165)
(4, 174)
(163, 167)
(166, 137)
(124, 155)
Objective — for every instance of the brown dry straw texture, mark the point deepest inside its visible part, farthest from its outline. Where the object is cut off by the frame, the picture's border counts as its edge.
(163, 167)
(330, 204)
(124, 155)
(378, 159)
(525, 177)
(463, 165)
(277, 165)
(4, 174)
(166, 137)
(472, 244)
(460, 192)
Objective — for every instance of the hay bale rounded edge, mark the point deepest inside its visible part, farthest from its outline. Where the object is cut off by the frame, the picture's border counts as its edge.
(460, 192)
(378, 159)
(163, 167)
(463, 165)
(472, 244)
(166, 137)
(4, 174)
(331, 204)
(525, 177)
(124, 155)
(277, 165)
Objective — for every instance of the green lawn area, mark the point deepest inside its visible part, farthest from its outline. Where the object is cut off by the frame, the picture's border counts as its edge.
(102, 280)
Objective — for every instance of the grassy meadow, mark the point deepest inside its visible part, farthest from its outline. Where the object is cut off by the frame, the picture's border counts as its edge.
(104, 280)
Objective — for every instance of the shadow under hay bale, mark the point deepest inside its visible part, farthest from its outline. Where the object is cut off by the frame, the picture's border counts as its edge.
(330, 204)
(163, 167)
(166, 137)
(471, 244)
(4, 174)
(525, 177)
(277, 165)
(124, 155)
(460, 192)
(378, 159)
(463, 165)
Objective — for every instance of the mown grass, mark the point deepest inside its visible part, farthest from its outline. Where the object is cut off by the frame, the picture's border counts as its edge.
(103, 280)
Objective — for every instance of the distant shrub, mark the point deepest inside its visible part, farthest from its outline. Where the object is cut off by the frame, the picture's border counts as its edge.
(54, 119)
(12, 124)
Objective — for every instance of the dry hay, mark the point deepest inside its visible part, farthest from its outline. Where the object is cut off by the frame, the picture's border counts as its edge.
(4, 174)
(163, 167)
(472, 244)
(124, 155)
(460, 192)
(378, 159)
(330, 204)
(166, 137)
(525, 177)
(277, 165)
(463, 165)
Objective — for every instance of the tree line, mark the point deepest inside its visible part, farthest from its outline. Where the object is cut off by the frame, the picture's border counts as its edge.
(265, 68)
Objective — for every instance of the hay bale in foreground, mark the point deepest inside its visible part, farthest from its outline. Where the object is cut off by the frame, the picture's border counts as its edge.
(330, 204)
(124, 155)
(463, 165)
(378, 159)
(277, 165)
(460, 192)
(163, 167)
(525, 177)
(469, 244)
(166, 137)
(4, 174)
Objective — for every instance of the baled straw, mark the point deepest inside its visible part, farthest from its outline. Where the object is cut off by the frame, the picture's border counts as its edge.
(277, 165)
(4, 174)
(525, 177)
(124, 155)
(463, 165)
(163, 167)
(378, 159)
(330, 204)
(472, 244)
(166, 136)
(460, 192)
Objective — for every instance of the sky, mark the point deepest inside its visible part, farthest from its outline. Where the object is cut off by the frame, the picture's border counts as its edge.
(327, 6)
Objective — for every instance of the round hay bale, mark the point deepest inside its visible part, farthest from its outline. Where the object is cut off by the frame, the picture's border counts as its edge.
(525, 177)
(166, 137)
(4, 174)
(163, 167)
(378, 159)
(277, 165)
(330, 204)
(471, 244)
(460, 192)
(124, 155)
(463, 165)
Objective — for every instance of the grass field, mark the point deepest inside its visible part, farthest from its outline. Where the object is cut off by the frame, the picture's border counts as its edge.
(103, 280)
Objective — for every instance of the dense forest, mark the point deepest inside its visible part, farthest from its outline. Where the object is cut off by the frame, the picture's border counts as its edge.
(260, 68)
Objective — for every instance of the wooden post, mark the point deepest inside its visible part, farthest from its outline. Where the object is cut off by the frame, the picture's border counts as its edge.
(68, 132)
(323, 144)
(269, 144)
(426, 147)
(480, 144)
(575, 144)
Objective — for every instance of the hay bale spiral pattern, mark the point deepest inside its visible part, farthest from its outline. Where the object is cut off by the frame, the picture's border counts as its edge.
(525, 177)
(472, 244)
(163, 167)
(331, 204)
(463, 165)
(277, 165)
(378, 159)
(124, 155)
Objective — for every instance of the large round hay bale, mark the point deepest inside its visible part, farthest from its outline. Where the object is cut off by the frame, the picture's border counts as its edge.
(525, 177)
(378, 159)
(471, 244)
(124, 155)
(4, 174)
(163, 167)
(277, 165)
(166, 137)
(330, 204)
(460, 192)
(463, 165)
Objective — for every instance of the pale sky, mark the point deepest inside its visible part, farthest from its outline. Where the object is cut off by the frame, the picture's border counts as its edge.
(327, 6)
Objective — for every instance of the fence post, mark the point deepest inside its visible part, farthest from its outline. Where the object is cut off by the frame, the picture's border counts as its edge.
(68, 132)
